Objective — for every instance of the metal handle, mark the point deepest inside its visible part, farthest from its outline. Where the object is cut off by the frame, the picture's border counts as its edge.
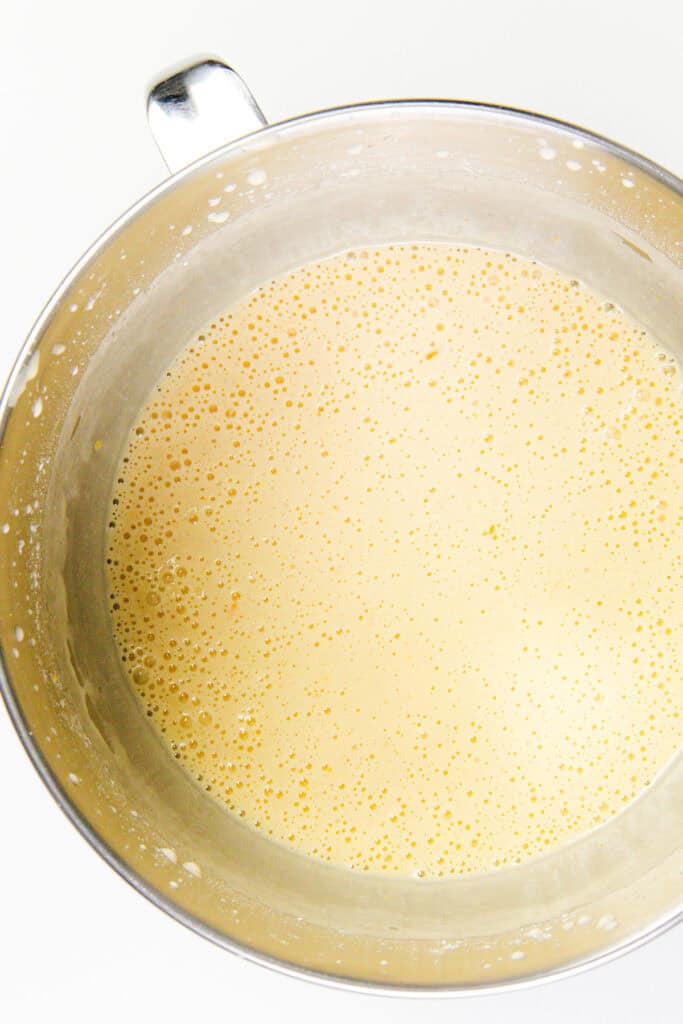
(199, 109)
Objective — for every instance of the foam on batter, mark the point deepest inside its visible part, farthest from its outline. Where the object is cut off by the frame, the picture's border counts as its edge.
(395, 559)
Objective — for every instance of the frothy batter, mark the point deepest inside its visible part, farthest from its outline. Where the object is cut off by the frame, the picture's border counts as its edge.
(395, 557)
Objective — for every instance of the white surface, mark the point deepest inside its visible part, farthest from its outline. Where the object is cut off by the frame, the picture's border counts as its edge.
(75, 942)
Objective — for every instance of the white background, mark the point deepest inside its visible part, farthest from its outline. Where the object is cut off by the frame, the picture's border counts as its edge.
(76, 943)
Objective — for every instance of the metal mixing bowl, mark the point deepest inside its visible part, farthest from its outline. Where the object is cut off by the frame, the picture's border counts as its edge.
(284, 195)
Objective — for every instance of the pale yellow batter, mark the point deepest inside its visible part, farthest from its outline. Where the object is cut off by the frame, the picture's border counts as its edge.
(395, 559)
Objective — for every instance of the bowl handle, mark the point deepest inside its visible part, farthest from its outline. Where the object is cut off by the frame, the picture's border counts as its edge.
(198, 109)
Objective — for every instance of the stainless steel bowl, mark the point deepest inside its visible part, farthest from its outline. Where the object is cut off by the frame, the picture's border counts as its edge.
(283, 195)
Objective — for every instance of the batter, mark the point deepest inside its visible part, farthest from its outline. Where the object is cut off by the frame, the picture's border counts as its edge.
(395, 557)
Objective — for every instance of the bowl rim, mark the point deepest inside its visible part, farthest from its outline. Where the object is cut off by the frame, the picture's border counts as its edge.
(257, 138)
